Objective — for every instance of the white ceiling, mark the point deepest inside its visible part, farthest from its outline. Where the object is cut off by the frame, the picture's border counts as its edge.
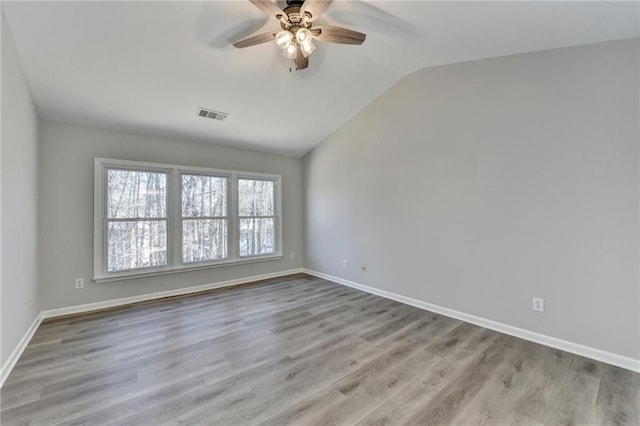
(147, 66)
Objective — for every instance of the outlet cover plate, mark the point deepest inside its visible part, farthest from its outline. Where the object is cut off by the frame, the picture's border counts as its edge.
(538, 304)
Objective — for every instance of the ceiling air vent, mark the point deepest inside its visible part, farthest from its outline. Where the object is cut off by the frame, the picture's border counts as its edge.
(209, 113)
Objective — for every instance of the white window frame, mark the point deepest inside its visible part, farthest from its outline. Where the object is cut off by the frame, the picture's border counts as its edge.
(238, 217)
(174, 219)
(182, 218)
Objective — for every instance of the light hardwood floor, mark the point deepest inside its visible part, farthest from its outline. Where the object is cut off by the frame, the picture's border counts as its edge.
(304, 351)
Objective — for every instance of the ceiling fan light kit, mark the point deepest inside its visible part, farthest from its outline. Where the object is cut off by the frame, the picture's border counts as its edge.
(289, 43)
(296, 21)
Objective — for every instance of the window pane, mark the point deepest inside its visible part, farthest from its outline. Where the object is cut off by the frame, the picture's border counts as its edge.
(204, 196)
(256, 197)
(204, 239)
(256, 237)
(136, 244)
(136, 194)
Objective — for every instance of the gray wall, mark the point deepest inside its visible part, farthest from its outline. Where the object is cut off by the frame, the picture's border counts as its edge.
(66, 219)
(477, 186)
(19, 207)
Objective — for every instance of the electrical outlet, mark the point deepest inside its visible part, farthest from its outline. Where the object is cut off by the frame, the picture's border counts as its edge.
(345, 263)
(538, 304)
(292, 255)
(79, 283)
(363, 267)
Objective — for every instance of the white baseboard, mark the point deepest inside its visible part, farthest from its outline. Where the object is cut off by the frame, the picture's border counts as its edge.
(17, 351)
(575, 348)
(159, 295)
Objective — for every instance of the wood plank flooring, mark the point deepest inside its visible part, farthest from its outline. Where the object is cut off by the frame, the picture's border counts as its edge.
(302, 351)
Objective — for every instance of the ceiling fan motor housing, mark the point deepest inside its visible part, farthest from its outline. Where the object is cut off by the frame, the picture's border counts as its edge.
(294, 18)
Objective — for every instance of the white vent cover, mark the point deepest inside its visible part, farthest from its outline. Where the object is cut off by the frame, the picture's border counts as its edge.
(209, 113)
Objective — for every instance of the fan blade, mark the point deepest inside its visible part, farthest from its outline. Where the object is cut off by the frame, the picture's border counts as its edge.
(256, 39)
(315, 8)
(337, 35)
(301, 61)
(269, 7)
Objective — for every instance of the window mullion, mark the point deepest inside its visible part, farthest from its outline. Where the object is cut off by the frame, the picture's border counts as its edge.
(174, 205)
(204, 217)
(105, 223)
(233, 224)
(277, 219)
(136, 219)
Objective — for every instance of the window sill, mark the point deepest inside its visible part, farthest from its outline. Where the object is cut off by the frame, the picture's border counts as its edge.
(157, 272)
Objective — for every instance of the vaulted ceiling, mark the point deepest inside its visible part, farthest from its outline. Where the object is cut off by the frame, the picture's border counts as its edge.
(147, 66)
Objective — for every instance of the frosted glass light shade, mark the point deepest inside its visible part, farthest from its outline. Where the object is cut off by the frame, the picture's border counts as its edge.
(307, 48)
(291, 51)
(303, 36)
(283, 39)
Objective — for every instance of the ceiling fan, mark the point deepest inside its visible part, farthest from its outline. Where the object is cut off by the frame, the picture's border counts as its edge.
(298, 30)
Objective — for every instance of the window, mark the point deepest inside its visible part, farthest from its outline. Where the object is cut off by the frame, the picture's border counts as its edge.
(204, 218)
(257, 216)
(136, 219)
(155, 218)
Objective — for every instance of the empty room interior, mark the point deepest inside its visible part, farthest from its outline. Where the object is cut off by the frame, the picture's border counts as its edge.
(349, 212)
